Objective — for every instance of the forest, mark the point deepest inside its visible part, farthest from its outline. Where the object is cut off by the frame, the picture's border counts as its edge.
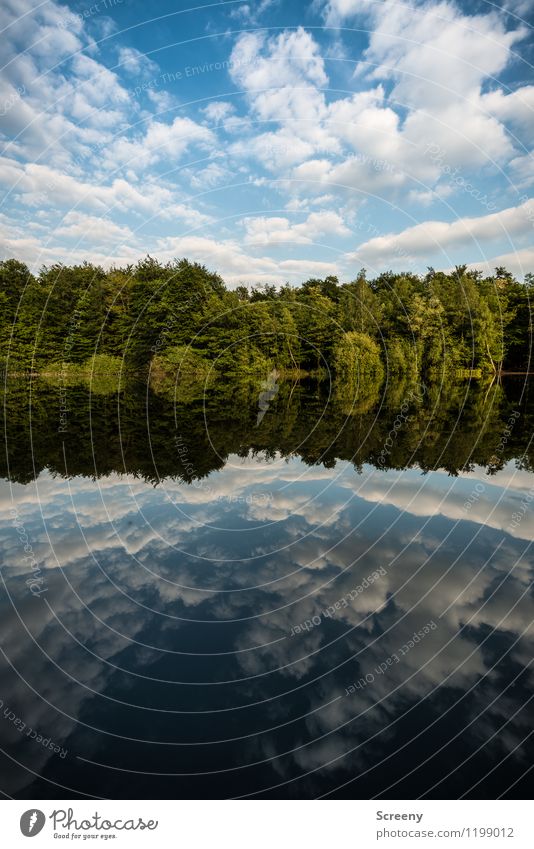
(453, 425)
(180, 318)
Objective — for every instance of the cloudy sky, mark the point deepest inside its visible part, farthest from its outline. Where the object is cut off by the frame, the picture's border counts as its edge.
(271, 140)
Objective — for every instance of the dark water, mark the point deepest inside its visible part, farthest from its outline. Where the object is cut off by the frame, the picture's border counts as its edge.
(212, 607)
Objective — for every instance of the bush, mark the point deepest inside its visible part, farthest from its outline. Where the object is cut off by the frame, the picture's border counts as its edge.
(180, 362)
(357, 358)
(101, 373)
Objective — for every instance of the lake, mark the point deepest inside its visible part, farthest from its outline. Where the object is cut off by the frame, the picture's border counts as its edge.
(267, 590)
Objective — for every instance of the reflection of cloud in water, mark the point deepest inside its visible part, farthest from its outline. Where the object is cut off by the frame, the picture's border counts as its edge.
(438, 494)
(331, 529)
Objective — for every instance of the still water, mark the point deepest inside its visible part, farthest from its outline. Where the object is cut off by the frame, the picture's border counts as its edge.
(332, 599)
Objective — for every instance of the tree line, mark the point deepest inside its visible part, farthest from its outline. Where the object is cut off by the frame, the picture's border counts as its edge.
(181, 317)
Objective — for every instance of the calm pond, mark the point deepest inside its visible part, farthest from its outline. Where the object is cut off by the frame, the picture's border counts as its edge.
(267, 591)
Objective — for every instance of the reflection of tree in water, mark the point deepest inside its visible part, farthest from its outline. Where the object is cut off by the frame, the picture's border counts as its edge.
(452, 426)
(185, 432)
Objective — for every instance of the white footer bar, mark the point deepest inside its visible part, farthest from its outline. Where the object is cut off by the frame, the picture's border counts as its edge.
(267, 824)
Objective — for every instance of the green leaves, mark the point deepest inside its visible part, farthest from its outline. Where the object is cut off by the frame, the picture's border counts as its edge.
(428, 325)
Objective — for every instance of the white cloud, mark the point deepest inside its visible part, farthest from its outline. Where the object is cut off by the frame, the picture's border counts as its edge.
(39, 184)
(162, 100)
(135, 62)
(355, 173)
(303, 204)
(218, 110)
(520, 171)
(280, 74)
(235, 265)
(432, 51)
(438, 54)
(518, 262)
(469, 138)
(517, 108)
(276, 151)
(337, 11)
(291, 58)
(63, 101)
(98, 231)
(362, 142)
(209, 176)
(99, 85)
(317, 142)
(250, 13)
(279, 230)
(493, 507)
(94, 94)
(438, 59)
(160, 141)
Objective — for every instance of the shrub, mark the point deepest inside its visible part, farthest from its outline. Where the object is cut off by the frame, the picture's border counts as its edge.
(357, 358)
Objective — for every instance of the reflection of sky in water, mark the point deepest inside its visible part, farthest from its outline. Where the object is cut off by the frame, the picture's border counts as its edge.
(168, 616)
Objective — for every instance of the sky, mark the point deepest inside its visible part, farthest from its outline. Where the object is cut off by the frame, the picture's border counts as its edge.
(270, 140)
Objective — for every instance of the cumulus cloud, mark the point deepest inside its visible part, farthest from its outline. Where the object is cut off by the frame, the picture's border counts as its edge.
(39, 184)
(279, 230)
(362, 142)
(258, 62)
(161, 141)
(429, 75)
(280, 74)
(238, 266)
(135, 62)
(70, 143)
(90, 228)
(518, 262)
(218, 110)
(438, 59)
(209, 176)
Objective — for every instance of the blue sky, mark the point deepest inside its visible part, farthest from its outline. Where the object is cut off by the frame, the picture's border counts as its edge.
(270, 140)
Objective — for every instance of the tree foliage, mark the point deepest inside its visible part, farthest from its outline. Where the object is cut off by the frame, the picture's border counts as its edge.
(396, 323)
